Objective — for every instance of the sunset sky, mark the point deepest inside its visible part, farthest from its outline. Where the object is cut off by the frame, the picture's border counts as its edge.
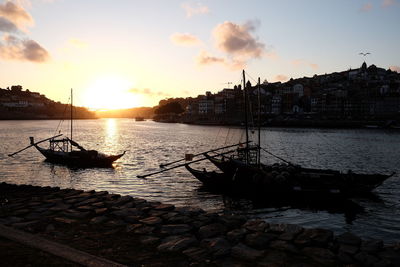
(127, 53)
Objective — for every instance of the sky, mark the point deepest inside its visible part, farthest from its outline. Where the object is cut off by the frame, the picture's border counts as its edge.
(130, 53)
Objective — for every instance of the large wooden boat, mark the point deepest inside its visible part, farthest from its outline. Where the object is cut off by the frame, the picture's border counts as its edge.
(287, 180)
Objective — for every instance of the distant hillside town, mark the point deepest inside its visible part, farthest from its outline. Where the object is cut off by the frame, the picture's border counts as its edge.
(15, 103)
(366, 94)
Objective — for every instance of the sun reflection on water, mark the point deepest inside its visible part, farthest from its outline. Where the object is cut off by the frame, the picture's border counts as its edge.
(111, 133)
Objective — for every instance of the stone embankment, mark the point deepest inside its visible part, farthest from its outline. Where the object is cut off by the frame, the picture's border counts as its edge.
(136, 232)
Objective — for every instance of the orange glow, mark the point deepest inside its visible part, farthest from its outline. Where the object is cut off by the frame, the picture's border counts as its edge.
(110, 92)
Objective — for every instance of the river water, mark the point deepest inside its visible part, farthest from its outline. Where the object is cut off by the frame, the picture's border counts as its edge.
(149, 143)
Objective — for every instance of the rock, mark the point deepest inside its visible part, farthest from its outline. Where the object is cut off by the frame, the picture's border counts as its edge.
(149, 240)
(211, 230)
(196, 253)
(12, 219)
(256, 225)
(180, 219)
(100, 211)
(321, 255)
(98, 219)
(165, 207)
(115, 223)
(218, 246)
(177, 243)
(175, 229)
(126, 212)
(283, 245)
(99, 204)
(390, 254)
(65, 220)
(318, 237)
(123, 200)
(50, 228)
(77, 214)
(85, 208)
(345, 258)
(275, 258)
(259, 240)
(351, 250)
(349, 239)
(246, 253)
(21, 212)
(151, 221)
(59, 207)
(25, 224)
(236, 235)
(366, 259)
(371, 246)
(231, 221)
(87, 201)
(143, 230)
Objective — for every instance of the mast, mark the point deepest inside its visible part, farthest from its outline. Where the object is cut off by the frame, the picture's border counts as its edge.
(245, 118)
(71, 116)
(259, 123)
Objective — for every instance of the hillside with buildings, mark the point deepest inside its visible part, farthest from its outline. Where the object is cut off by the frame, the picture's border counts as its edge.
(348, 98)
(15, 103)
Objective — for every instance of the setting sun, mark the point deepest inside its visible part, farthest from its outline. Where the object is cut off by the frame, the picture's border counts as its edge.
(110, 92)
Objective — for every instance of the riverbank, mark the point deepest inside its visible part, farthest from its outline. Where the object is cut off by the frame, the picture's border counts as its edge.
(133, 231)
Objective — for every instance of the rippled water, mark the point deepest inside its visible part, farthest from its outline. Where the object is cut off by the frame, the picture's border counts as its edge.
(148, 144)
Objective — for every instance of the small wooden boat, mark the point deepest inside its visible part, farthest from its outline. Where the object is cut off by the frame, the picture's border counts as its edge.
(139, 119)
(62, 151)
(58, 152)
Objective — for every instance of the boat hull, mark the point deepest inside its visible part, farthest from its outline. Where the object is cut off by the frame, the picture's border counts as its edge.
(79, 158)
(295, 179)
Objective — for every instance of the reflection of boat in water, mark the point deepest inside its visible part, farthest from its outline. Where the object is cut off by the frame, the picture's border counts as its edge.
(61, 151)
(139, 119)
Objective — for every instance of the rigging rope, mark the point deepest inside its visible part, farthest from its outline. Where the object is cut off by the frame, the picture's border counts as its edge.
(62, 119)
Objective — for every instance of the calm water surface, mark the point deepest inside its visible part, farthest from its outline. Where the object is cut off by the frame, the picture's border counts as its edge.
(148, 144)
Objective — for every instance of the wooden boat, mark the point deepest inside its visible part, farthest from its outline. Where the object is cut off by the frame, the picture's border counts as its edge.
(139, 119)
(213, 179)
(58, 152)
(62, 151)
(289, 180)
(250, 173)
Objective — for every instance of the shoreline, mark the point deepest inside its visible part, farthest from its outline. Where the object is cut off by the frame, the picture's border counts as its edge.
(134, 231)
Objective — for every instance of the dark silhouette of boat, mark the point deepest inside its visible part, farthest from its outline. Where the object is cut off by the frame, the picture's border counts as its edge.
(58, 152)
(243, 171)
(285, 178)
(62, 151)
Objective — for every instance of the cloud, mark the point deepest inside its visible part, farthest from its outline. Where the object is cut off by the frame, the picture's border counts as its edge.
(17, 15)
(302, 62)
(198, 9)
(281, 78)
(204, 59)
(366, 7)
(395, 68)
(24, 50)
(388, 3)
(185, 39)
(7, 26)
(146, 91)
(15, 45)
(237, 40)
